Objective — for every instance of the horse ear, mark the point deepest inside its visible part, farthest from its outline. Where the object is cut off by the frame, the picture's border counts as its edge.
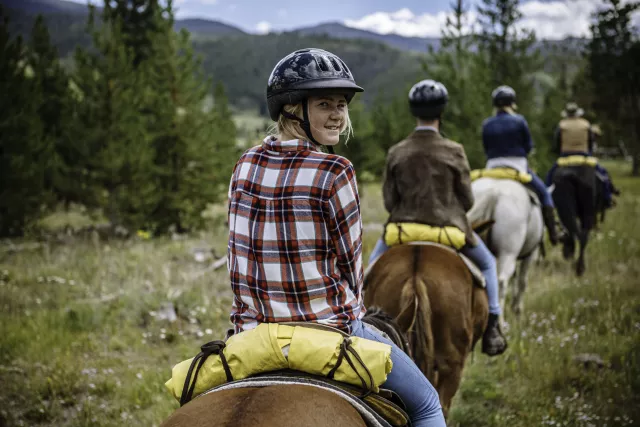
(482, 226)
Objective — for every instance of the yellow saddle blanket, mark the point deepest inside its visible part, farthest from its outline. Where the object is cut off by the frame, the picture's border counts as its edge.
(501, 173)
(407, 232)
(272, 346)
(578, 160)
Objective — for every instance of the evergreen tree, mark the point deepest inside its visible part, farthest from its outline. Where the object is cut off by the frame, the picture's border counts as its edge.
(55, 112)
(467, 79)
(138, 24)
(118, 152)
(194, 147)
(614, 69)
(25, 153)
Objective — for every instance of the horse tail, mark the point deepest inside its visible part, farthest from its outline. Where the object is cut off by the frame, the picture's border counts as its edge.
(484, 207)
(422, 333)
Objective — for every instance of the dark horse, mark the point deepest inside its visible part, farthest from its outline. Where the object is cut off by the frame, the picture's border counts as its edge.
(575, 196)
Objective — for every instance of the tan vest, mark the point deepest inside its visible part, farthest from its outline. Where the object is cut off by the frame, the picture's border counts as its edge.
(574, 134)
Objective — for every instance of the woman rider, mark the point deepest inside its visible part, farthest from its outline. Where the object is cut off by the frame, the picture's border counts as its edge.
(295, 241)
(507, 143)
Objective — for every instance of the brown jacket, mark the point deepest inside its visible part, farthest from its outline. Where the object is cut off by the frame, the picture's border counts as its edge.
(427, 181)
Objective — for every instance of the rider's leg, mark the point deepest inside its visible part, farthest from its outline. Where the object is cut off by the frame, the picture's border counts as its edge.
(415, 390)
(548, 207)
(493, 342)
(380, 248)
(549, 178)
(607, 185)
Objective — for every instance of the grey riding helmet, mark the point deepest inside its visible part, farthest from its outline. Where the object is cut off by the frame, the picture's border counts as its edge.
(503, 96)
(428, 99)
(305, 73)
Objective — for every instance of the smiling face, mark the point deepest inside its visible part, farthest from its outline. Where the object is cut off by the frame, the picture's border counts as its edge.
(328, 118)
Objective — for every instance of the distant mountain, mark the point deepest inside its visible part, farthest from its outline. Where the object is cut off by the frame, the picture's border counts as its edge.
(204, 27)
(46, 7)
(341, 31)
(64, 15)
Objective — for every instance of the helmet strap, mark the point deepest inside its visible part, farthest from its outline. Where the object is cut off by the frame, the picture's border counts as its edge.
(305, 124)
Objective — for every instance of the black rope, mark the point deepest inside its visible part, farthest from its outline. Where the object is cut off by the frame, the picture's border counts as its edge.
(213, 347)
(345, 349)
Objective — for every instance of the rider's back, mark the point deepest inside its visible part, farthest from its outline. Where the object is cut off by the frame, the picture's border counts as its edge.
(427, 181)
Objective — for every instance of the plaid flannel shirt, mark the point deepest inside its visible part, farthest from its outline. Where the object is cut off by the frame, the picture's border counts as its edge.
(295, 237)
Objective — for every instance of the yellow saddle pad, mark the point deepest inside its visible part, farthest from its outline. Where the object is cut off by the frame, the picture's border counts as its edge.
(273, 346)
(501, 173)
(578, 160)
(407, 232)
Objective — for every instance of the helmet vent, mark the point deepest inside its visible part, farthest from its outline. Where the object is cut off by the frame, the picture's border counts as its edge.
(322, 63)
(336, 66)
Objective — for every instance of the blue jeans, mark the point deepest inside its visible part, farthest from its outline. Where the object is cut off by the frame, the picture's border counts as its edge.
(480, 255)
(406, 379)
(541, 190)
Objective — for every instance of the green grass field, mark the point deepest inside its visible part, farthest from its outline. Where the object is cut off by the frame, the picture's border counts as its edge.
(84, 339)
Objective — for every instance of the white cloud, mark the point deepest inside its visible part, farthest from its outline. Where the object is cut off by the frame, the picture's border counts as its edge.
(209, 2)
(263, 27)
(550, 19)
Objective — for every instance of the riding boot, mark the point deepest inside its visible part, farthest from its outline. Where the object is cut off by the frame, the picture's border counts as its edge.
(493, 342)
(550, 223)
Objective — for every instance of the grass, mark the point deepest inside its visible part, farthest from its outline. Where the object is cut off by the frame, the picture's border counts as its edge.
(83, 339)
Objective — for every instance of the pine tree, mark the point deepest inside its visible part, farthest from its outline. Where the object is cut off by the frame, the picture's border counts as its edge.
(118, 152)
(55, 112)
(194, 147)
(138, 24)
(614, 69)
(25, 153)
(468, 82)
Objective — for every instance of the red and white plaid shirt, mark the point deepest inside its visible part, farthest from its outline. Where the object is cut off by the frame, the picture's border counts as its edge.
(295, 240)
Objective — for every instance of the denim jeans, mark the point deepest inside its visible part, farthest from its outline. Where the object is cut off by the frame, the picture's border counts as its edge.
(480, 255)
(541, 190)
(406, 379)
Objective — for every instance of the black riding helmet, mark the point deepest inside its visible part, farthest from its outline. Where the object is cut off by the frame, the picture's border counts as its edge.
(428, 99)
(503, 96)
(305, 73)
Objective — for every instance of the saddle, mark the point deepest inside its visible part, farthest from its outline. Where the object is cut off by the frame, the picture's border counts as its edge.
(501, 173)
(382, 409)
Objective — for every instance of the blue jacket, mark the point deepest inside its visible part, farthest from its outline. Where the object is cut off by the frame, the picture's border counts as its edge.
(506, 135)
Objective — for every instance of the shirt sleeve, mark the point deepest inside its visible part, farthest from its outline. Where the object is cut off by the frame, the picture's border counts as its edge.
(557, 140)
(390, 194)
(528, 142)
(463, 185)
(345, 227)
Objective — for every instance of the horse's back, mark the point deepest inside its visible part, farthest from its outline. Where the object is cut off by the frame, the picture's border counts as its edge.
(450, 288)
(277, 405)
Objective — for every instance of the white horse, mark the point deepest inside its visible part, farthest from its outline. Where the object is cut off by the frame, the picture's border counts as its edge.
(516, 233)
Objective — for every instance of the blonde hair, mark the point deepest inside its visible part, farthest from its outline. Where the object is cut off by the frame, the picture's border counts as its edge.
(509, 109)
(287, 126)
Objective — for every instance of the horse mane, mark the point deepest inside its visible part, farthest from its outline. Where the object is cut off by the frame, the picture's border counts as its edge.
(377, 318)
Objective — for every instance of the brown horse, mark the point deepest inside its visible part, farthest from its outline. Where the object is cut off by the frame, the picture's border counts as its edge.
(431, 294)
(277, 405)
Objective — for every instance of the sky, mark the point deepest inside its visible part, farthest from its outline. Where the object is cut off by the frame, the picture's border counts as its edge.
(551, 19)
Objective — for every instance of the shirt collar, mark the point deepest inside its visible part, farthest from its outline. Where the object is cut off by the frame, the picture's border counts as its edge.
(431, 128)
(271, 143)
